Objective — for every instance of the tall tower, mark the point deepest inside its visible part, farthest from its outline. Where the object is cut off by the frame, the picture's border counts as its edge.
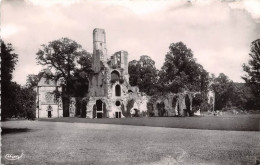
(99, 48)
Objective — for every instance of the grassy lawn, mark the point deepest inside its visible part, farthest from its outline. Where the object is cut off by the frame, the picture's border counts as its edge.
(231, 122)
(89, 143)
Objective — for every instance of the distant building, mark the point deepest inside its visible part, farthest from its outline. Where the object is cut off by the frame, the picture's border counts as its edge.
(47, 105)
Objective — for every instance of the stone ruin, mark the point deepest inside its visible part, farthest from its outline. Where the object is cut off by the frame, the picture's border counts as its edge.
(111, 96)
(109, 88)
(175, 104)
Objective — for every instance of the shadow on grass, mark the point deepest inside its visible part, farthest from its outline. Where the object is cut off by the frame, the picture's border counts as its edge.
(14, 130)
(208, 123)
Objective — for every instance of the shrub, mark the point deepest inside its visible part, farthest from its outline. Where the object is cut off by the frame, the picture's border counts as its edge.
(113, 81)
(121, 81)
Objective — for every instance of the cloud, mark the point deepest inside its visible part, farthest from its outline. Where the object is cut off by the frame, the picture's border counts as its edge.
(218, 34)
(251, 6)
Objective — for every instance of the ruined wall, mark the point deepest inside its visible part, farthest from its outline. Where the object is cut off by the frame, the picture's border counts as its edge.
(173, 104)
(120, 59)
(98, 84)
(109, 85)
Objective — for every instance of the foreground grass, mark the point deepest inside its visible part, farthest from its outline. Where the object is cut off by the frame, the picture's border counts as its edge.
(87, 143)
(237, 123)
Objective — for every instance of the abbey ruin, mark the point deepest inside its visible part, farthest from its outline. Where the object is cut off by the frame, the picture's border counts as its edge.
(111, 96)
(109, 89)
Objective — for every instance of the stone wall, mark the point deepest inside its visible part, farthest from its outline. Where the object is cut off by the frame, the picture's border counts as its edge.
(178, 104)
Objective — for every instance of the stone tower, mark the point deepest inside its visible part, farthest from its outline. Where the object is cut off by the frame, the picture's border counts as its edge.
(109, 88)
(99, 49)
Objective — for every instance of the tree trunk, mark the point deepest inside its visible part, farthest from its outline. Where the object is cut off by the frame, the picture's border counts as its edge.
(66, 104)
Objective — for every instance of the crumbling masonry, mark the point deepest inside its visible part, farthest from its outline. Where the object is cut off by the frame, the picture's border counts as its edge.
(109, 88)
(110, 94)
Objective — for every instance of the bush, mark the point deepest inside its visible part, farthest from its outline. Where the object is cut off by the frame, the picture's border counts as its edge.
(121, 81)
(113, 81)
(26, 103)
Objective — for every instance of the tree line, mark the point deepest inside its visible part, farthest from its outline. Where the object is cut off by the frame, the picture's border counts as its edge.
(180, 72)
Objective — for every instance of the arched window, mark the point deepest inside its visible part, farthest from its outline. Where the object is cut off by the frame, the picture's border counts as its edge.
(115, 75)
(118, 90)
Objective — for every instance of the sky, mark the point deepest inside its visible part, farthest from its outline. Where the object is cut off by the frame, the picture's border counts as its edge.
(219, 32)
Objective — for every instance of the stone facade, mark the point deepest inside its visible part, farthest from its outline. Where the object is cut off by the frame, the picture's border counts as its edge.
(47, 105)
(109, 89)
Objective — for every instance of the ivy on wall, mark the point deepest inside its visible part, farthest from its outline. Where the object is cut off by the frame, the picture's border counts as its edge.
(84, 107)
(150, 109)
(129, 106)
(94, 111)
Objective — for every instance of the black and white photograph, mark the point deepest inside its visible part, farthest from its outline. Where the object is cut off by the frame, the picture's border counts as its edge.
(130, 82)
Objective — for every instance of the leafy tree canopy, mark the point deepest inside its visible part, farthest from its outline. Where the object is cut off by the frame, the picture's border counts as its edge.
(71, 63)
(8, 62)
(253, 67)
(143, 74)
(65, 56)
(180, 70)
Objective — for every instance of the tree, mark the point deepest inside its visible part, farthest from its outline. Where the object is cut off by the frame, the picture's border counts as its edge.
(8, 62)
(181, 72)
(33, 80)
(62, 55)
(252, 78)
(26, 102)
(143, 74)
(82, 74)
(224, 91)
(243, 97)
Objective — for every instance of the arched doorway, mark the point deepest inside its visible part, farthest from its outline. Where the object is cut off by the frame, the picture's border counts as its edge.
(99, 105)
(161, 108)
(118, 113)
(49, 109)
(118, 90)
